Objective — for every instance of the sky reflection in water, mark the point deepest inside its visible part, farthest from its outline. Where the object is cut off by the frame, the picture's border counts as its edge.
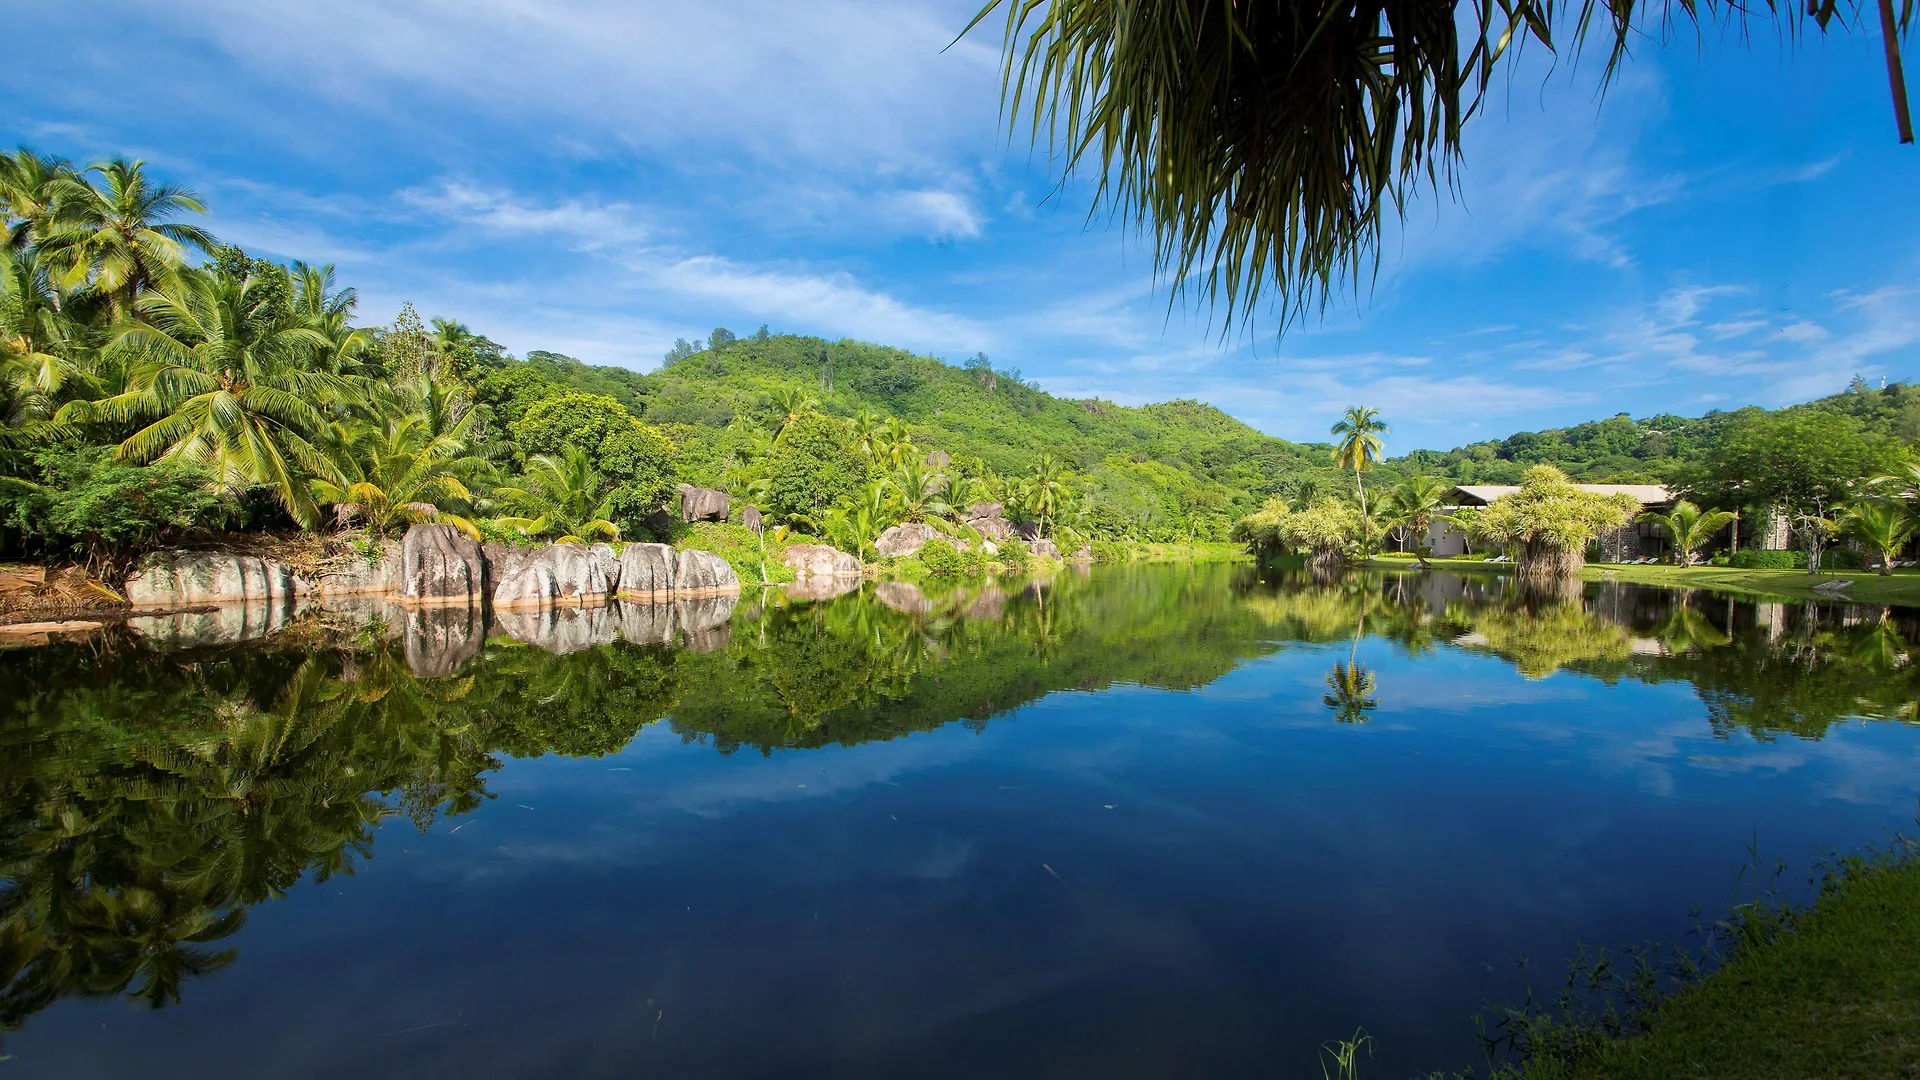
(1161, 821)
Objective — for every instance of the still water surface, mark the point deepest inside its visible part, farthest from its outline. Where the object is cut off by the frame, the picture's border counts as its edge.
(1164, 821)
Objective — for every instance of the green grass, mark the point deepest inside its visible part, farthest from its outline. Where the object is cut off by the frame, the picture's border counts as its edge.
(1835, 996)
(1869, 586)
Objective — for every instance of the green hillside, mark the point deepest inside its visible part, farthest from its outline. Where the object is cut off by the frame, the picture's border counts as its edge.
(1658, 449)
(1158, 472)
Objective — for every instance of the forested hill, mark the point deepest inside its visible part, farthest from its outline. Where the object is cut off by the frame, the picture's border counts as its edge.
(1157, 471)
(1663, 448)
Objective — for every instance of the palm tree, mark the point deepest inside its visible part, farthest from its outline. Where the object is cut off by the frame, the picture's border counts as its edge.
(865, 427)
(1265, 144)
(1882, 525)
(1689, 528)
(399, 473)
(1352, 697)
(117, 237)
(1045, 492)
(30, 188)
(1359, 446)
(896, 442)
(572, 495)
(1414, 501)
(225, 381)
(45, 356)
(329, 311)
(918, 491)
(793, 402)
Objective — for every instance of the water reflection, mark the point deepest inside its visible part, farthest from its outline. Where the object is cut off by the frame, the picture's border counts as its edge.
(160, 780)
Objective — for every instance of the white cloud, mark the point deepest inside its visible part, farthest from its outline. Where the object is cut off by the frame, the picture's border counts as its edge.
(942, 215)
(589, 225)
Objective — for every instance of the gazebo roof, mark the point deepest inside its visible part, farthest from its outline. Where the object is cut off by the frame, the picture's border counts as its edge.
(1647, 494)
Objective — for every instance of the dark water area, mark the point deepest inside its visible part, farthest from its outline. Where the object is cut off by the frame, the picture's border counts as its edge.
(1158, 821)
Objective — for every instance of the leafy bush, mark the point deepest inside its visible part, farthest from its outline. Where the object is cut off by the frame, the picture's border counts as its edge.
(1767, 560)
(107, 512)
(1111, 551)
(1013, 555)
(941, 560)
(738, 545)
(1841, 559)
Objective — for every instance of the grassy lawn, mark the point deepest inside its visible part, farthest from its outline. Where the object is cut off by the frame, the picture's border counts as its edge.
(1869, 587)
(1837, 996)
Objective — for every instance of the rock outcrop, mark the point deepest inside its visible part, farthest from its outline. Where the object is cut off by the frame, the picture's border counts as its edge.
(561, 629)
(705, 622)
(175, 579)
(1045, 548)
(646, 571)
(442, 639)
(362, 576)
(821, 588)
(986, 519)
(702, 504)
(439, 565)
(904, 597)
(556, 574)
(750, 517)
(904, 539)
(702, 573)
(609, 561)
(819, 560)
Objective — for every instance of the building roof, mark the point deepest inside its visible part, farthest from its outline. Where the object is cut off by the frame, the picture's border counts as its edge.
(1647, 494)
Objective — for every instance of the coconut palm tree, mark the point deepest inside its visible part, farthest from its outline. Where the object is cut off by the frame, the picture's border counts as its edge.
(224, 380)
(1359, 445)
(573, 499)
(918, 491)
(896, 442)
(793, 402)
(118, 238)
(329, 311)
(45, 356)
(1882, 525)
(30, 187)
(1045, 492)
(1413, 502)
(865, 427)
(399, 473)
(1265, 144)
(1689, 528)
(1351, 697)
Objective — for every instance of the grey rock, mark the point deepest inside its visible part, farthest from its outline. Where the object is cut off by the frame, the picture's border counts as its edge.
(556, 574)
(702, 504)
(609, 561)
(1027, 530)
(644, 623)
(439, 565)
(904, 539)
(561, 629)
(441, 640)
(821, 588)
(1045, 548)
(985, 510)
(819, 560)
(698, 573)
(646, 570)
(361, 576)
(175, 579)
(751, 518)
(993, 528)
(706, 622)
(904, 597)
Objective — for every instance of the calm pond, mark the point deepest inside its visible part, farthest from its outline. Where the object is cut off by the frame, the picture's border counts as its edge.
(1153, 822)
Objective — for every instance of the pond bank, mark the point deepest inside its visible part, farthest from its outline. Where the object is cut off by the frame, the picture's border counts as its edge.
(1835, 995)
(1868, 586)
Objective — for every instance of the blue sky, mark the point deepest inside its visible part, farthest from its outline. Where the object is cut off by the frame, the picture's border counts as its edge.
(1734, 223)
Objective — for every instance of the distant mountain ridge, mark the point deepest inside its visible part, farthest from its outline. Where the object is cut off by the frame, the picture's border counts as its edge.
(1161, 471)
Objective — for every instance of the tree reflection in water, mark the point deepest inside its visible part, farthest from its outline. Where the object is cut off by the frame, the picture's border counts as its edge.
(151, 795)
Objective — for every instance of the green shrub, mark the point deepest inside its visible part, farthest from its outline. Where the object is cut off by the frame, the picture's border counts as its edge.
(1767, 560)
(1013, 555)
(1841, 559)
(941, 560)
(738, 545)
(1111, 551)
(89, 506)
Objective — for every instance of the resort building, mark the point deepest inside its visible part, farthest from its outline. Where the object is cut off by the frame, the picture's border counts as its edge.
(1634, 541)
